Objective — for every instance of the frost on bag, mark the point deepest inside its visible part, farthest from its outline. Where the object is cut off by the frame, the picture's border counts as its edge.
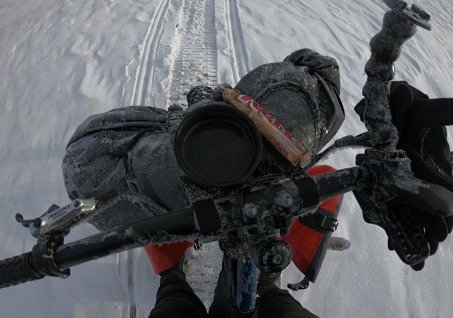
(124, 159)
(303, 92)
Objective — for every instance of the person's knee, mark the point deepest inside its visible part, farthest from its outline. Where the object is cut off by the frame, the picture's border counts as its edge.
(175, 298)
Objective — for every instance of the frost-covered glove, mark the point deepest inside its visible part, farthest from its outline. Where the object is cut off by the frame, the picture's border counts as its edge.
(420, 123)
(325, 66)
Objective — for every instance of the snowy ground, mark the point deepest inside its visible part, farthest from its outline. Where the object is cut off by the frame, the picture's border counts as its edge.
(65, 60)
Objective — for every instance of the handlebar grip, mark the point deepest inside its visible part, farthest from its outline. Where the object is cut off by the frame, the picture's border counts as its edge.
(17, 270)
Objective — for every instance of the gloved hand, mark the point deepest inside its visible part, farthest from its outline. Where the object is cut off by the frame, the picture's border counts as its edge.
(419, 122)
(325, 66)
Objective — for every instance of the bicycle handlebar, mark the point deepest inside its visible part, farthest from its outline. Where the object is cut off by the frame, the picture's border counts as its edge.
(176, 225)
(31, 266)
(201, 221)
(45, 260)
(17, 270)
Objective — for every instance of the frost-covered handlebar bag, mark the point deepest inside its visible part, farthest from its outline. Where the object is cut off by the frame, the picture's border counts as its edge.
(124, 158)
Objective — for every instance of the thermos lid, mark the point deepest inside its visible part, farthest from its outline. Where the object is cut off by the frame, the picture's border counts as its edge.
(217, 145)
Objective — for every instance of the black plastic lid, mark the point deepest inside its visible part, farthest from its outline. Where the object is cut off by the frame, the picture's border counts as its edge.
(218, 146)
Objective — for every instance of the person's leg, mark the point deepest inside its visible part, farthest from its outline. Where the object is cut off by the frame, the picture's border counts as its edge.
(274, 302)
(175, 298)
(223, 305)
(221, 295)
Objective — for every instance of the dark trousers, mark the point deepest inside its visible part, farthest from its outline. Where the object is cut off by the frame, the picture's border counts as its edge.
(175, 298)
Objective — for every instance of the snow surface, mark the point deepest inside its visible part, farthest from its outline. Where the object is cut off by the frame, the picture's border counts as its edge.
(63, 60)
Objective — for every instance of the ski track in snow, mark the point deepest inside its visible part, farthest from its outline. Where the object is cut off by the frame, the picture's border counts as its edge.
(145, 74)
(239, 58)
(144, 86)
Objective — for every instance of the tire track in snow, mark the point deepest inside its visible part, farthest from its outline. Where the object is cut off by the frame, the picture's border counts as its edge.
(195, 55)
(240, 62)
(144, 78)
(194, 62)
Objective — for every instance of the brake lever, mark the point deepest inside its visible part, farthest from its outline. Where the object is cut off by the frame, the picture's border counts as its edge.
(58, 220)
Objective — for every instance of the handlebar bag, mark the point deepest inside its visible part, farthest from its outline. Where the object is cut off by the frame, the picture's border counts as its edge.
(125, 159)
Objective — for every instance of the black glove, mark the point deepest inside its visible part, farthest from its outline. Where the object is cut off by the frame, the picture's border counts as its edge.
(325, 66)
(420, 123)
